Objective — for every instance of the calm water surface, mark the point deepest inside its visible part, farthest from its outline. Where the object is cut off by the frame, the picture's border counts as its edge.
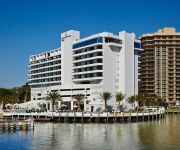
(162, 134)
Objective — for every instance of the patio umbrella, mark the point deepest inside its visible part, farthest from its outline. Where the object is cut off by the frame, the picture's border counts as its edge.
(16, 105)
(8, 105)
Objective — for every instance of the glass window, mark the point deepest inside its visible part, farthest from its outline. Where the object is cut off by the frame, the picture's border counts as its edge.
(138, 45)
(88, 42)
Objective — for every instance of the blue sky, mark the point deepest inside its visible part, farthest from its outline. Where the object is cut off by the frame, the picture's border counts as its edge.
(32, 26)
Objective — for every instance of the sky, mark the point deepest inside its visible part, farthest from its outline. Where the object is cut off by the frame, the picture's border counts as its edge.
(29, 27)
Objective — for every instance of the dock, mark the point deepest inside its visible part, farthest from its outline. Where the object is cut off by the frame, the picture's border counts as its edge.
(16, 125)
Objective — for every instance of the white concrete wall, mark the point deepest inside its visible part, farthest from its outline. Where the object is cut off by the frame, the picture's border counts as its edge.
(129, 57)
(67, 39)
(42, 90)
(122, 64)
(128, 63)
(110, 67)
(136, 56)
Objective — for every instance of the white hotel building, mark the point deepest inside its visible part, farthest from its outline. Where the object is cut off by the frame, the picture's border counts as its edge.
(90, 66)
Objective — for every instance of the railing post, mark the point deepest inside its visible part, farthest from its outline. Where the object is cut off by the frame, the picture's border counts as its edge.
(123, 117)
(82, 117)
(153, 114)
(90, 117)
(115, 117)
(67, 117)
(59, 116)
(156, 114)
(148, 115)
(98, 117)
(137, 117)
(74, 117)
(107, 117)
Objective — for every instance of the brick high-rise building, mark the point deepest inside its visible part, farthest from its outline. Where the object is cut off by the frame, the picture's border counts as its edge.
(160, 64)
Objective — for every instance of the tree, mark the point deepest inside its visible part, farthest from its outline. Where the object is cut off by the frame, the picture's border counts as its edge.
(24, 93)
(15, 95)
(151, 100)
(78, 98)
(105, 96)
(53, 97)
(7, 96)
(158, 101)
(119, 97)
(142, 98)
(131, 100)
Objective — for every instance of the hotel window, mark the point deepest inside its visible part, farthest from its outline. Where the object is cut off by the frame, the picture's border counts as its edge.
(88, 42)
(113, 40)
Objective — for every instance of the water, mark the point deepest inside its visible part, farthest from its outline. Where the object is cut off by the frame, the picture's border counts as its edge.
(155, 135)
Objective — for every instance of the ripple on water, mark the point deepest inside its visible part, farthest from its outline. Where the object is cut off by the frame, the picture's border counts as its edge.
(162, 134)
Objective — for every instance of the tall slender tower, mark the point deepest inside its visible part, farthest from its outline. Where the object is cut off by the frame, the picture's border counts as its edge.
(160, 64)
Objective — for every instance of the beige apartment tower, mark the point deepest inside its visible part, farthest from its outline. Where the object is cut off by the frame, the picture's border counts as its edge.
(160, 64)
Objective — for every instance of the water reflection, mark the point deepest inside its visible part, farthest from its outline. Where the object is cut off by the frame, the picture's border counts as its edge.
(16, 140)
(162, 134)
(87, 136)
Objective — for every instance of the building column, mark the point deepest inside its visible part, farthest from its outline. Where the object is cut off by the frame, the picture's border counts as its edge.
(85, 104)
(50, 106)
(46, 105)
(71, 104)
(59, 104)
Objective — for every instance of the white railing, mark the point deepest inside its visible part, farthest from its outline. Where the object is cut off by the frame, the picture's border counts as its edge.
(86, 114)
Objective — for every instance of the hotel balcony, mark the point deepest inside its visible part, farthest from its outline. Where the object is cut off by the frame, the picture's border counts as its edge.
(45, 72)
(87, 72)
(46, 60)
(58, 82)
(97, 75)
(87, 65)
(44, 66)
(87, 59)
(87, 52)
(90, 61)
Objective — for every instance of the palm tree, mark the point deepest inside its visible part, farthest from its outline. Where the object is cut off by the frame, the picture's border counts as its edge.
(131, 100)
(78, 98)
(142, 98)
(119, 97)
(160, 101)
(24, 92)
(53, 97)
(151, 100)
(105, 96)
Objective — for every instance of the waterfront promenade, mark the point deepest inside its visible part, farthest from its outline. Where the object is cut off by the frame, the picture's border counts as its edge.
(88, 117)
